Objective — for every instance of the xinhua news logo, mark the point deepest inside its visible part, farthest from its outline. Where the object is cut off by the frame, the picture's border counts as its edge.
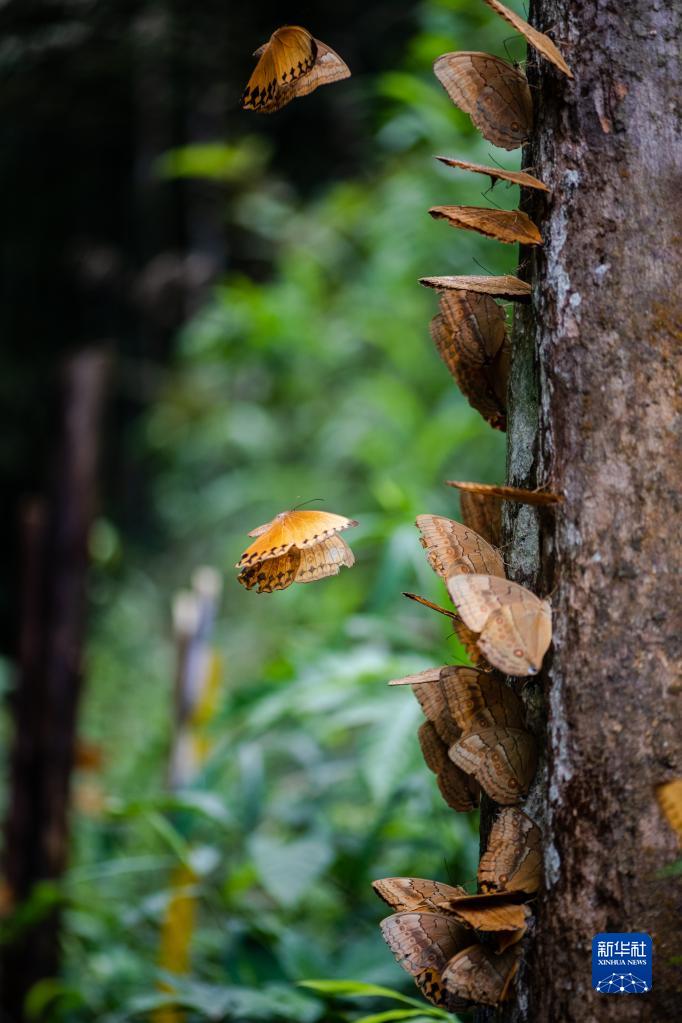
(622, 964)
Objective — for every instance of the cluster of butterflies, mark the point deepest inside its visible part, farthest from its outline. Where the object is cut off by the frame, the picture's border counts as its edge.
(435, 930)
(474, 737)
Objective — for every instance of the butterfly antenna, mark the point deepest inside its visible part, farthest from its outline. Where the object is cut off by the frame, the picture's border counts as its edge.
(485, 268)
(486, 195)
(304, 503)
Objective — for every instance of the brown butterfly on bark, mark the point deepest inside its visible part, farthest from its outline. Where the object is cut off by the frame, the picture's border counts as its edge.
(494, 94)
(509, 226)
(507, 287)
(466, 637)
(458, 788)
(513, 858)
(481, 976)
(414, 894)
(496, 174)
(423, 944)
(452, 548)
(514, 626)
(470, 335)
(506, 493)
(541, 42)
(494, 748)
(482, 512)
(291, 64)
(295, 546)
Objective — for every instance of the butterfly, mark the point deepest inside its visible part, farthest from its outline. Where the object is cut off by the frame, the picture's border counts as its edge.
(496, 173)
(514, 626)
(291, 64)
(494, 94)
(542, 43)
(507, 287)
(452, 548)
(506, 493)
(295, 546)
(481, 976)
(494, 746)
(470, 335)
(510, 226)
(458, 788)
(669, 796)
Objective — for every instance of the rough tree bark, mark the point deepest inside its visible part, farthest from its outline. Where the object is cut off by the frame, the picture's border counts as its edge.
(593, 408)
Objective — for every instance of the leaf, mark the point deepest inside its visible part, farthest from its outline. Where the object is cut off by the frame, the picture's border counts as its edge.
(358, 989)
(392, 1014)
(288, 869)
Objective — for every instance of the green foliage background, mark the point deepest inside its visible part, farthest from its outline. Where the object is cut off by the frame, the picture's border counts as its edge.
(319, 381)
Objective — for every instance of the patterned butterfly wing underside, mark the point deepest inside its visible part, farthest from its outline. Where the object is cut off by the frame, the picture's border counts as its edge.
(515, 626)
(502, 760)
(494, 912)
(478, 701)
(480, 976)
(436, 710)
(509, 226)
(484, 514)
(494, 94)
(328, 68)
(423, 941)
(453, 548)
(413, 894)
(458, 789)
(325, 559)
(513, 858)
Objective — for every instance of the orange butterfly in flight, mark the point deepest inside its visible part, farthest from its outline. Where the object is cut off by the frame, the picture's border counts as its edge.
(291, 64)
(295, 546)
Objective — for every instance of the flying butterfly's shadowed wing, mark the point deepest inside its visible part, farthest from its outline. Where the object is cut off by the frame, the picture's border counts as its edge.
(541, 42)
(506, 286)
(288, 55)
(494, 94)
(290, 65)
(509, 226)
(452, 548)
(497, 173)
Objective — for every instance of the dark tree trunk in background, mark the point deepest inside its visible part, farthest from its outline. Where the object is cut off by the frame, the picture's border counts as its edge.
(55, 533)
(593, 412)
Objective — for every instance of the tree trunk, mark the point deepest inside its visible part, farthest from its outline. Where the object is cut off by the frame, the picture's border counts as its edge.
(53, 612)
(593, 408)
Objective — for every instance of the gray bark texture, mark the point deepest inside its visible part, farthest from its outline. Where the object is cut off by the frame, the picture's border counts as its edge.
(593, 408)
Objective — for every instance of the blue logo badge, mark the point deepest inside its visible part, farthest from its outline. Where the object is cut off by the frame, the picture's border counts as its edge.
(622, 964)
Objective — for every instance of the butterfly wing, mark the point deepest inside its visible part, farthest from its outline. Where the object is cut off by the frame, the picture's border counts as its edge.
(505, 493)
(328, 68)
(497, 173)
(505, 286)
(423, 941)
(509, 226)
(513, 857)
(480, 976)
(453, 548)
(478, 701)
(324, 559)
(489, 912)
(414, 894)
(432, 702)
(502, 760)
(419, 678)
(494, 94)
(272, 574)
(289, 529)
(286, 57)
(541, 42)
(459, 791)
